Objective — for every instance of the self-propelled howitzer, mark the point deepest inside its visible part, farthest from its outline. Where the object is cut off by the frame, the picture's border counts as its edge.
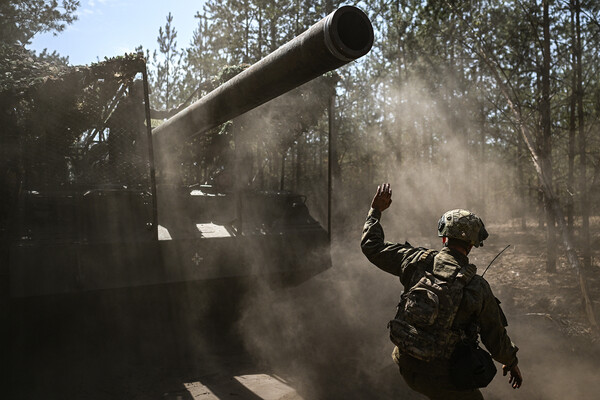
(86, 213)
(95, 255)
(275, 227)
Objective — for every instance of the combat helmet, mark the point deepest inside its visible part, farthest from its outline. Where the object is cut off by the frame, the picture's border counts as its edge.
(463, 225)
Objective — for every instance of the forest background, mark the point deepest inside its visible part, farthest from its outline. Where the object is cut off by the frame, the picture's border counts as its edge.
(488, 105)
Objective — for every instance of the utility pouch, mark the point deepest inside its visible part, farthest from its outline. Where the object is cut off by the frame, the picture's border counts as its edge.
(471, 367)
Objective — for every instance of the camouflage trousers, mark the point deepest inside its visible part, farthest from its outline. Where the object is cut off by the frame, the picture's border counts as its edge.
(436, 387)
(431, 379)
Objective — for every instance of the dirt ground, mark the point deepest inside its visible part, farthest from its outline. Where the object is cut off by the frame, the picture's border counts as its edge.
(323, 339)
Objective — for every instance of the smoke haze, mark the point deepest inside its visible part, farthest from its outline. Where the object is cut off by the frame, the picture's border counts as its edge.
(329, 336)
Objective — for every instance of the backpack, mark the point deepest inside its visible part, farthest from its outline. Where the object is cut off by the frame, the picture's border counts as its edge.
(422, 327)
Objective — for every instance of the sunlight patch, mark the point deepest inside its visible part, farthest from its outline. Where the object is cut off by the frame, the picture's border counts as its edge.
(268, 387)
(213, 230)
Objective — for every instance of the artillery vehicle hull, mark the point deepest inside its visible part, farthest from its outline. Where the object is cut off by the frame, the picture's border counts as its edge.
(194, 250)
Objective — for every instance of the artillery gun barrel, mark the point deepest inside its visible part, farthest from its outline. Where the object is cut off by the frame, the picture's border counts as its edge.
(343, 36)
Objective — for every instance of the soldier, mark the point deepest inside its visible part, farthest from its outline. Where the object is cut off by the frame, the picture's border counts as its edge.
(478, 311)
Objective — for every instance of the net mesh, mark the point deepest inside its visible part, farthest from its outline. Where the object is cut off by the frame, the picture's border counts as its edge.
(80, 165)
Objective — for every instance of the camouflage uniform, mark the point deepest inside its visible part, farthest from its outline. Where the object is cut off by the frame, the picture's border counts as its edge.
(478, 306)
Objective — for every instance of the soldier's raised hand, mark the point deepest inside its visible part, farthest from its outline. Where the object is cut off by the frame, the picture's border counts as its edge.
(383, 197)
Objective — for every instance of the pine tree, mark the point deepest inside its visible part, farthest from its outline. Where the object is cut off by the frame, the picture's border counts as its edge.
(166, 77)
(23, 19)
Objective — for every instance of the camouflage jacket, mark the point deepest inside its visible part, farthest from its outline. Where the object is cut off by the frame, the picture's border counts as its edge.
(478, 304)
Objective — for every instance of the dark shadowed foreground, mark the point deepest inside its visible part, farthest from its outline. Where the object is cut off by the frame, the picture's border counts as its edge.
(324, 339)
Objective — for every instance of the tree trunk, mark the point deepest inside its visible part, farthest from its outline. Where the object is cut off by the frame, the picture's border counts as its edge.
(546, 140)
(333, 168)
(321, 155)
(585, 207)
(260, 33)
(521, 183)
(300, 160)
(540, 205)
(246, 58)
(548, 192)
(572, 124)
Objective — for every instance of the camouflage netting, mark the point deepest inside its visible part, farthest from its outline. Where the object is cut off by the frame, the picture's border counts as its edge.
(20, 71)
(76, 125)
(70, 130)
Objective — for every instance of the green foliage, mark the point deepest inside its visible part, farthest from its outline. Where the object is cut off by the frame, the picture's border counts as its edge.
(166, 74)
(23, 19)
(229, 71)
(427, 98)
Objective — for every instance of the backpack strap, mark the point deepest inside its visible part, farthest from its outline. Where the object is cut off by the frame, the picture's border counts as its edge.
(465, 274)
(462, 279)
(428, 256)
(427, 253)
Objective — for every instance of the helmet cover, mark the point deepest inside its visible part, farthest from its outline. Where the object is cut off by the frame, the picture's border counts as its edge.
(462, 225)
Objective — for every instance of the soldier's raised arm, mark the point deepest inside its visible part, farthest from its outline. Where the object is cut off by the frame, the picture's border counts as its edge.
(385, 255)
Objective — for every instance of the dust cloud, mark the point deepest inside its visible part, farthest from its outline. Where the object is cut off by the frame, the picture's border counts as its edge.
(328, 335)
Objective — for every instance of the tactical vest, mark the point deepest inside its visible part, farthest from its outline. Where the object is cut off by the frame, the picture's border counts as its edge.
(422, 327)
